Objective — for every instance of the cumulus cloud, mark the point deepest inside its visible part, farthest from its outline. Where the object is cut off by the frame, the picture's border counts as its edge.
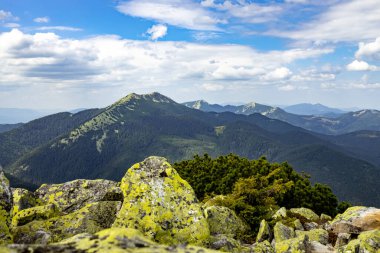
(157, 31)
(277, 74)
(358, 65)
(371, 50)
(181, 13)
(59, 28)
(41, 20)
(46, 59)
(212, 87)
(352, 20)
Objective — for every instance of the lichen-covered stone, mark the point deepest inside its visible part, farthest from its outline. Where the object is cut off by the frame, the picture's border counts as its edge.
(310, 225)
(262, 247)
(316, 247)
(5, 208)
(367, 242)
(73, 195)
(342, 240)
(299, 244)
(264, 232)
(217, 200)
(356, 219)
(298, 225)
(282, 232)
(22, 199)
(318, 235)
(159, 203)
(280, 214)
(224, 243)
(34, 213)
(122, 240)
(325, 218)
(222, 220)
(303, 214)
(92, 218)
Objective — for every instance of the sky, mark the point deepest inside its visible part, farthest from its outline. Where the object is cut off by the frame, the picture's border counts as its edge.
(83, 53)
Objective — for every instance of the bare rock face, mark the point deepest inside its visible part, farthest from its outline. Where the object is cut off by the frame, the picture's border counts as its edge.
(160, 204)
(356, 220)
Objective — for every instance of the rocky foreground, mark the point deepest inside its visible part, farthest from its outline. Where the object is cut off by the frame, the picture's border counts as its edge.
(154, 210)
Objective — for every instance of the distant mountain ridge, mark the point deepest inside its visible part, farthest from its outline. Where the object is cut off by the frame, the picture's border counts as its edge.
(342, 124)
(103, 142)
(314, 109)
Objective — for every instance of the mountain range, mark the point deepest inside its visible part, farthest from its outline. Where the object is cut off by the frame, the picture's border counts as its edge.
(342, 124)
(314, 109)
(102, 143)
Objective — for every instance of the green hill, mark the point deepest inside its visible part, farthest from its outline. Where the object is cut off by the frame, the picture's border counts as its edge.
(138, 126)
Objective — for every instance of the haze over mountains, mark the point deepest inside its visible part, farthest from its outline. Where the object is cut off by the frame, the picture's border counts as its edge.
(101, 143)
(339, 124)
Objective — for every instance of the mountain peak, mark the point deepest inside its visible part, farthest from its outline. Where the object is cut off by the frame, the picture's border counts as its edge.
(153, 97)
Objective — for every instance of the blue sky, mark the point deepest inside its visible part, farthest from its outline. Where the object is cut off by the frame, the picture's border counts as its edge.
(70, 54)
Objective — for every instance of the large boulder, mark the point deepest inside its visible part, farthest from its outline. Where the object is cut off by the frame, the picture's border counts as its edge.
(5, 208)
(22, 199)
(223, 220)
(282, 232)
(92, 218)
(303, 214)
(356, 219)
(73, 195)
(160, 204)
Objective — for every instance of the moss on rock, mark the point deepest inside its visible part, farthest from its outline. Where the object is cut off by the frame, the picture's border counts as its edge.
(223, 220)
(159, 203)
(34, 213)
(73, 195)
(368, 241)
(5, 208)
(262, 247)
(22, 199)
(282, 232)
(264, 232)
(92, 218)
(303, 214)
(318, 235)
(299, 244)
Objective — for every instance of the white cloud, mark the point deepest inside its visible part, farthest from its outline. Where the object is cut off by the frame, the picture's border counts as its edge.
(181, 13)
(45, 59)
(11, 25)
(204, 36)
(212, 87)
(41, 20)
(246, 11)
(277, 74)
(371, 50)
(358, 65)
(353, 20)
(157, 31)
(7, 15)
(287, 87)
(59, 28)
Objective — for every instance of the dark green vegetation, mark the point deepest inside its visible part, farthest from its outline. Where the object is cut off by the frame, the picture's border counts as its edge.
(254, 188)
(339, 124)
(8, 127)
(102, 143)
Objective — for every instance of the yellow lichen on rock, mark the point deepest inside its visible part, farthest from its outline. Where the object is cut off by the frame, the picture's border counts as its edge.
(160, 204)
(92, 218)
(34, 213)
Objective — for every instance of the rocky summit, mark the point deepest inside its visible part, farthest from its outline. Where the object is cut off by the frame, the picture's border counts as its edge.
(153, 209)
